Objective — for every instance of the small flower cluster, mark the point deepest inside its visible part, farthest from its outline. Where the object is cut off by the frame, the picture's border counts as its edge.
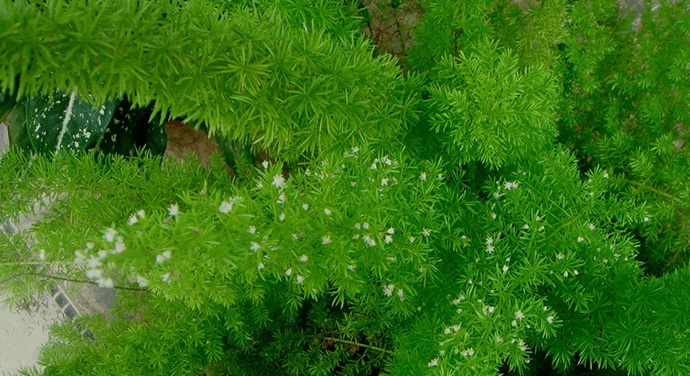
(94, 262)
(165, 255)
(134, 218)
(388, 291)
(490, 245)
(226, 206)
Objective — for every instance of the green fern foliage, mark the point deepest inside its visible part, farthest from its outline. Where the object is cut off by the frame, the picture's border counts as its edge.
(510, 199)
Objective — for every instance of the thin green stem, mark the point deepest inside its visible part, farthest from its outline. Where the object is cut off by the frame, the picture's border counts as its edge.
(655, 190)
(564, 225)
(356, 344)
(35, 263)
(68, 280)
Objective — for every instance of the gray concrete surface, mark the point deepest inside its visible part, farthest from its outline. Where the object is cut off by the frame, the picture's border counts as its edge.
(24, 331)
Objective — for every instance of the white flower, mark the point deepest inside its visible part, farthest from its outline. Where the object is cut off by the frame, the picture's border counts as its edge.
(365, 225)
(350, 267)
(42, 254)
(259, 185)
(358, 226)
(260, 266)
(541, 228)
(300, 279)
(251, 229)
(426, 232)
(591, 226)
(288, 272)
(120, 247)
(166, 254)
(307, 172)
(526, 226)
(490, 248)
(78, 257)
(132, 220)
(265, 164)
(369, 241)
(384, 181)
(433, 362)
(505, 268)
(141, 213)
(305, 206)
(281, 199)
(493, 215)
(514, 323)
(173, 210)
(165, 277)
(143, 282)
(519, 315)
(391, 231)
(109, 234)
(489, 240)
(388, 290)
(401, 294)
(575, 272)
(304, 258)
(522, 345)
(106, 283)
(102, 254)
(352, 183)
(580, 239)
(646, 219)
(565, 274)
(456, 327)
(355, 149)
(355, 236)
(328, 212)
(373, 166)
(499, 339)
(160, 259)
(441, 353)
(606, 175)
(326, 240)
(385, 160)
(94, 273)
(278, 181)
(550, 319)
(559, 256)
(254, 246)
(281, 216)
(411, 239)
(93, 262)
(225, 207)
(422, 176)
(389, 239)
(447, 331)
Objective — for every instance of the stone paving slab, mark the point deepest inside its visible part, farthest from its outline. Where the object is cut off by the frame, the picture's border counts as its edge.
(24, 331)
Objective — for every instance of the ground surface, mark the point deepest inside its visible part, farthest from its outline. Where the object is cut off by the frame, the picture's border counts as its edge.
(22, 333)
